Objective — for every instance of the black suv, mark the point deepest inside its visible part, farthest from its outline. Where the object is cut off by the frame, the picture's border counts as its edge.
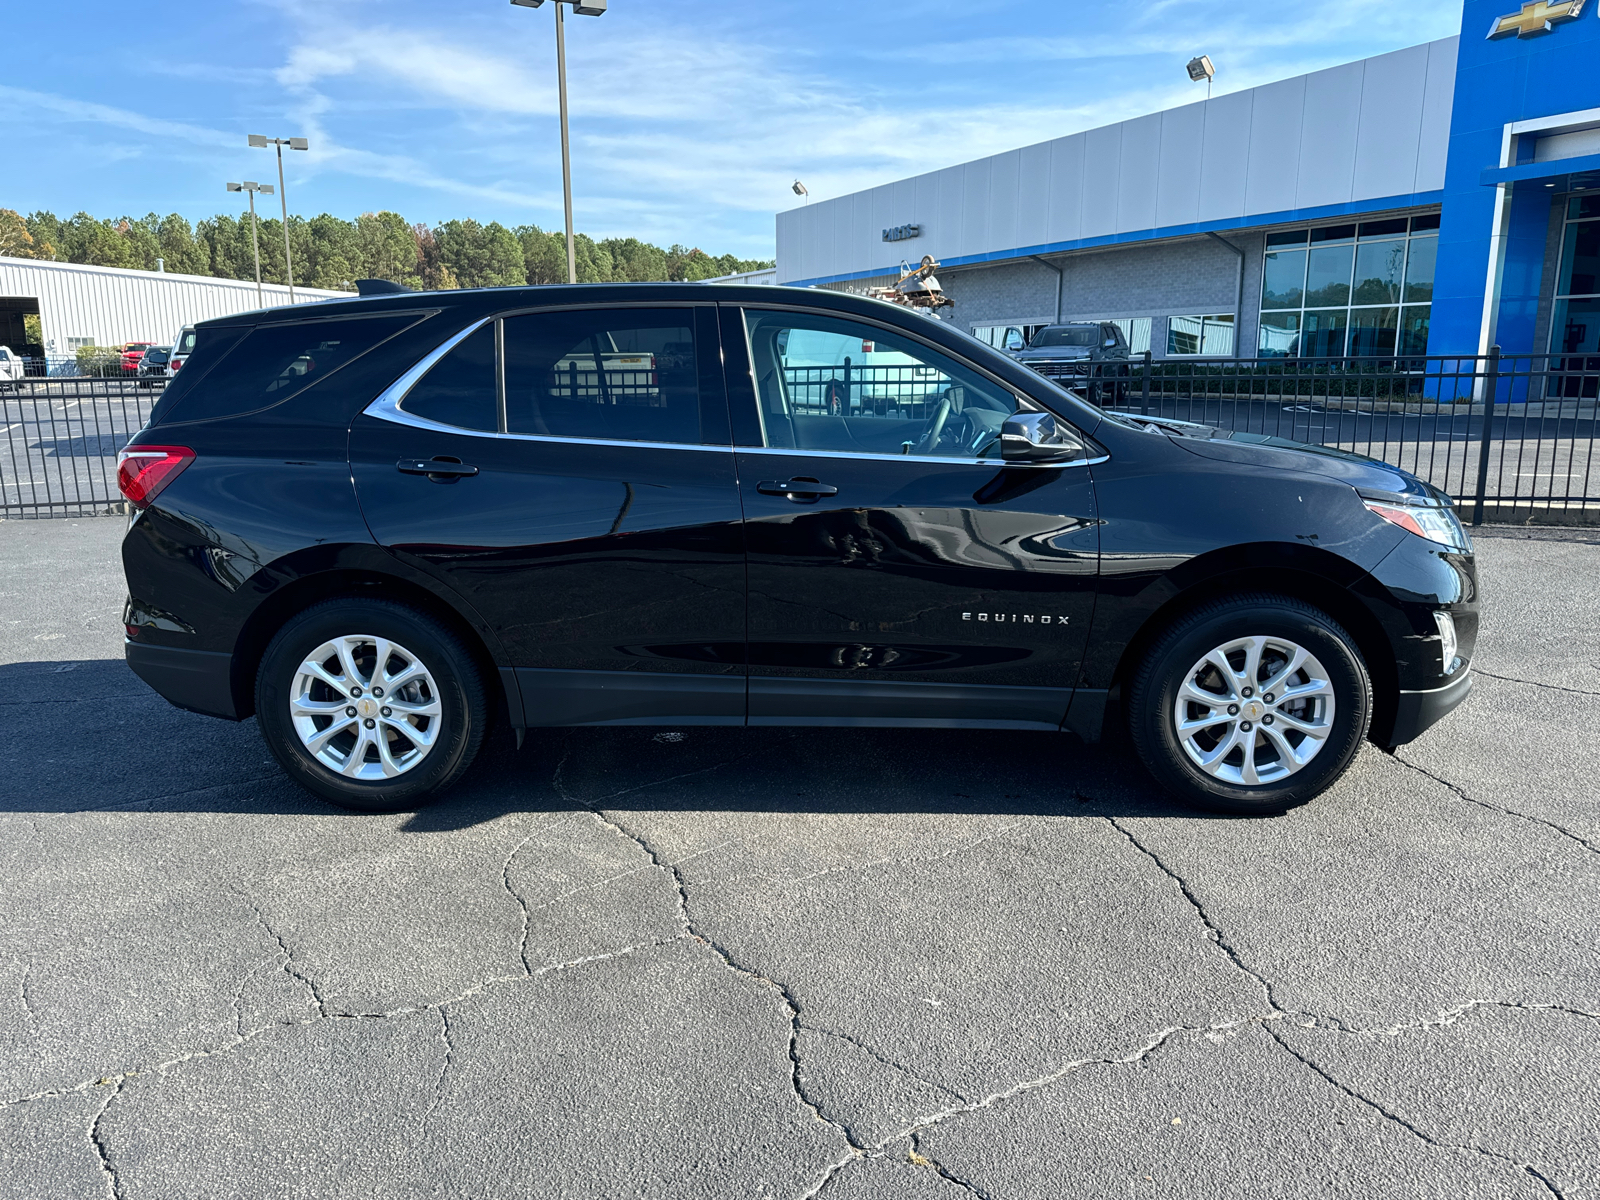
(1088, 351)
(380, 525)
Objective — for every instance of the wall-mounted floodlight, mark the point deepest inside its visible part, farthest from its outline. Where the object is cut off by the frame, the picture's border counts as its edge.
(1201, 68)
(583, 8)
(261, 142)
(252, 188)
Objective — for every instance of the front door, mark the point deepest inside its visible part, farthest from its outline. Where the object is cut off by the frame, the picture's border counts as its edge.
(900, 573)
(569, 475)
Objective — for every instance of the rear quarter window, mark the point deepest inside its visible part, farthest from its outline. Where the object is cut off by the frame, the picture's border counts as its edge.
(270, 364)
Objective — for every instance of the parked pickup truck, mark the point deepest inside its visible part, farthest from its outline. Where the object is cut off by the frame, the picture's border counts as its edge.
(1078, 353)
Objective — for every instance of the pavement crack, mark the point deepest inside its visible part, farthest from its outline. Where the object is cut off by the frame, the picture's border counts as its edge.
(1396, 1119)
(1588, 845)
(886, 1061)
(1553, 687)
(1217, 936)
(97, 1140)
(444, 1069)
(289, 965)
(919, 1157)
(521, 902)
(26, 996)
(324, 1015)
(686, 922)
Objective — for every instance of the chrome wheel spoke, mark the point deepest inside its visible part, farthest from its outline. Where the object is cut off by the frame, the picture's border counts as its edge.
(1296, 661)
(1287, 754)
(302, 707)
(1314, 729)
(315, 668)
(318, 742)
(1317, 687)
(1211, 721)
(1252, 661)
(347, 660)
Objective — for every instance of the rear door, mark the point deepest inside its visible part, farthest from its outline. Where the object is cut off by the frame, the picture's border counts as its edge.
(587, 513)
(900, 573)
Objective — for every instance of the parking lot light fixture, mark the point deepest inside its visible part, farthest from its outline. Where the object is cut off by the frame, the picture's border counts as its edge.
(1200, 68)
(298, 143)
(251, 187)
(583, 8)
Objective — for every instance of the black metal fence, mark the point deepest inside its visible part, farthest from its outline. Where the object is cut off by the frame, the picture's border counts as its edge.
(59, 440)
(1509, 437)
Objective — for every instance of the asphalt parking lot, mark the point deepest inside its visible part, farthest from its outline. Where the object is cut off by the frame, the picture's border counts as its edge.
(789, 963)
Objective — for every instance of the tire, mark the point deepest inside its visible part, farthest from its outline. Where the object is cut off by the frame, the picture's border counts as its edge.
(1298, 744)
(392, 757)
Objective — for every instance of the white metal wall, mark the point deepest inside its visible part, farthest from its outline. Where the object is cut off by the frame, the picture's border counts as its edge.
(1362, 131)
(112, 305)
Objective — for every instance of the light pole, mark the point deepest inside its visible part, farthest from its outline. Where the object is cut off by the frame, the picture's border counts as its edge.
(583, 8)
(294, 144)
(255, 247)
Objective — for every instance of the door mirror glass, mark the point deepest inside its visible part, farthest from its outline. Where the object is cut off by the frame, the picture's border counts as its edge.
(1037, 437)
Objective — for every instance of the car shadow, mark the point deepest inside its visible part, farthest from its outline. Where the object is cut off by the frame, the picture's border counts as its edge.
(120, 747)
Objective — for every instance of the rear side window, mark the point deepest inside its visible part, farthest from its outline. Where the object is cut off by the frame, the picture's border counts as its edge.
(623, 374)
(274, 362)
(459, 389)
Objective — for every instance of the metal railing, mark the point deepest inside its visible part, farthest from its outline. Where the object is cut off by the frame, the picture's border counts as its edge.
(59, 440)
(1509, 437)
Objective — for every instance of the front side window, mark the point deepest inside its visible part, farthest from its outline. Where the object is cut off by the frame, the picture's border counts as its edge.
(615, 374)
(826, 383)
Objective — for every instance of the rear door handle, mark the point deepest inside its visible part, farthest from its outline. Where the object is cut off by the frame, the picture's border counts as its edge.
(808, 488)
(434, 466)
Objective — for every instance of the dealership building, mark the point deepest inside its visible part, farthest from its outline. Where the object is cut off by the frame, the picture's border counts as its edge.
(1439, 199)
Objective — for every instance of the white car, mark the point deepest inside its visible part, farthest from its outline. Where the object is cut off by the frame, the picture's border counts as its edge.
(11, 369)
(182, 346)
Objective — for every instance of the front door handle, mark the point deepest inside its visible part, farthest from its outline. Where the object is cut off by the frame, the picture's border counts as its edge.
(434, 466)
(795, 489)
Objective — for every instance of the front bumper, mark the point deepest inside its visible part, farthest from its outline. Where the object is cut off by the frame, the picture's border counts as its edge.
(198, 680)
(1419, 709)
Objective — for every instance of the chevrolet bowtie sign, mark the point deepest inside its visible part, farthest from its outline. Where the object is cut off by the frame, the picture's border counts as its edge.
(1536, 17)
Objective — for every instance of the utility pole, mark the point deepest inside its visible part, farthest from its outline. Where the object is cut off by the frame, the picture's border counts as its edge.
(255, 247)
(583, 8)
(294, 144)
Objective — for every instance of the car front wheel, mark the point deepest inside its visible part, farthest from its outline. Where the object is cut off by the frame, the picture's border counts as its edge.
(370, 704)
(1250, 705)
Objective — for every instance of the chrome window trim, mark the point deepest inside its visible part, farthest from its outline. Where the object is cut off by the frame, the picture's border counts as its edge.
(387, 405)
(991, 463)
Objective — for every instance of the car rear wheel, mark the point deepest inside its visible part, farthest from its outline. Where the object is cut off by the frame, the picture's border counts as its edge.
(1250, 705)
(370, 704)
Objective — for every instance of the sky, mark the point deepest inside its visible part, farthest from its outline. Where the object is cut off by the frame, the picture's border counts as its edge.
(690, 118)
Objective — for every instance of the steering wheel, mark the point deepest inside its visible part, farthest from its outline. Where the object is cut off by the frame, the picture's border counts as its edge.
(930, 436)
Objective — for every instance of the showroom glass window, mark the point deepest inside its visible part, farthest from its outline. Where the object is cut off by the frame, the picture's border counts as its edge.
(1575, 328)
(1357, 289)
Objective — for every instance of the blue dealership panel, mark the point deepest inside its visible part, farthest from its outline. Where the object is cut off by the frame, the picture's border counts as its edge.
(1520, 75)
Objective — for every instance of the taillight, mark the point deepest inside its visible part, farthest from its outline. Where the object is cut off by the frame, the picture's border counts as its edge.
(143, 471)
(175, 364)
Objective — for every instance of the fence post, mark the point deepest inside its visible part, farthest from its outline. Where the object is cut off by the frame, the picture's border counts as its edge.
(1484, 438)
(1144, 394)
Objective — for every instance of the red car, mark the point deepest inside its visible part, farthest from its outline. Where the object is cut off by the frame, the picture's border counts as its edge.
(133, 354)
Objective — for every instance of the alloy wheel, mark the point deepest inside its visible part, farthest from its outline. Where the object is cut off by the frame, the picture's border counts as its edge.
(1254, 710)
(365, 707)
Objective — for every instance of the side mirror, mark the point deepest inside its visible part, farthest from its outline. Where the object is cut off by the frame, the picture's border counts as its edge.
(1110, 343)
(1036, 437)
(1014, 340)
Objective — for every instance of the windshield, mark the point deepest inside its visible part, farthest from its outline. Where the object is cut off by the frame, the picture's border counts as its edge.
(1066, 335)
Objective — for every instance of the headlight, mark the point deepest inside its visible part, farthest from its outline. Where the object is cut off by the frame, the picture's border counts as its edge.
(1436, 524)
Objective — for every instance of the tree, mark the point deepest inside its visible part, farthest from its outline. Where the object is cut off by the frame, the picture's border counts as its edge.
(435, 275)
(481, 255)
(544, 255)
(45, 228)
(331, 255)
(386, 248)
(633, 261)
(15, 240)
(183, 254)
